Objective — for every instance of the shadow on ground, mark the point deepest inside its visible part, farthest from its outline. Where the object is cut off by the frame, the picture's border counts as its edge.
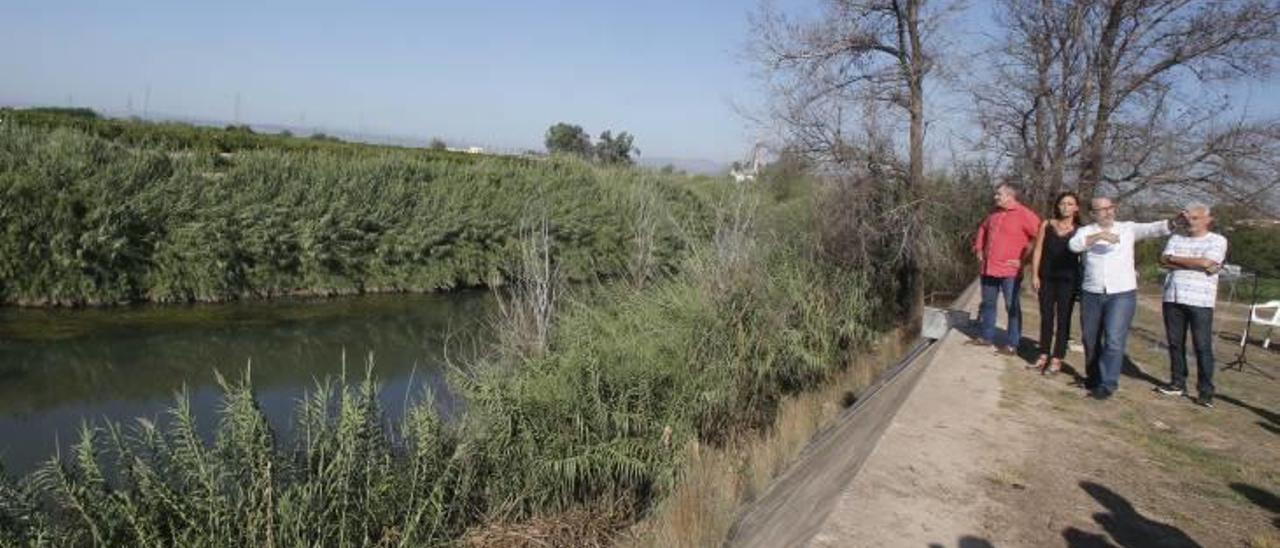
(1125, 527)
(1271, 417)
(1254, 343)
(964, 323)
(1130, 369)
(968, 541)
(1270, 428)
(1264, 499)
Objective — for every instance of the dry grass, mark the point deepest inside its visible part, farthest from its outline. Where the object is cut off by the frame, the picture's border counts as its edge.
(1008, 477)
(1265, 540)
(587, 528)
(719, 482)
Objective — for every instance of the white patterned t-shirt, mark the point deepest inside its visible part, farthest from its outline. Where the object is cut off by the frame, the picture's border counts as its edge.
(1194, 287)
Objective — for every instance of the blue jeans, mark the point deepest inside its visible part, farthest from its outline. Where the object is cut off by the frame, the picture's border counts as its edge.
(992, 288)
(1104, 325)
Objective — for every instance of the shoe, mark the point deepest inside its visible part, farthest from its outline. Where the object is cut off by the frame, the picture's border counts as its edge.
(1100, 394)
(1006, 350)
(1041, 364)
(1205, 401)
(1055, 366)
(1170, 390)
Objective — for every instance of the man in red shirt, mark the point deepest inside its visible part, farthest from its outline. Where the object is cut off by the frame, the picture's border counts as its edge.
(1002, 246)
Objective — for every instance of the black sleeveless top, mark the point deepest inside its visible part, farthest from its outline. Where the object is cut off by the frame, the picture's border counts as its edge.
(1057, 262)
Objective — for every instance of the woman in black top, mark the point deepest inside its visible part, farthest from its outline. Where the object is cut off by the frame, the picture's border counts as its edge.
(1055, 275)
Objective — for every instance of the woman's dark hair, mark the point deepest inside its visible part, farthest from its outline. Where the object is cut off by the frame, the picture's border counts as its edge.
(1055, 213)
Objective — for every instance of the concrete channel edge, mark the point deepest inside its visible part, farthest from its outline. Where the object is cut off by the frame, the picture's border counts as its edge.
(792, 510)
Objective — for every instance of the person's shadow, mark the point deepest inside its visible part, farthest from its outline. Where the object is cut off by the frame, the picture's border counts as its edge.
(1262, 498)
(1270, 416)
(1130, 369)
(1271, 419)
(1254, 343)
(967, 541)
(966, 324)
(1124, 525)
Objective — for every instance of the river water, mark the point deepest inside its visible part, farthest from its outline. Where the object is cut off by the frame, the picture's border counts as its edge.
(63, 368)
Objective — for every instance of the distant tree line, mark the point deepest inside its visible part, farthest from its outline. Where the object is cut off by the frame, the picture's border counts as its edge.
(564, 138)
(176, 136)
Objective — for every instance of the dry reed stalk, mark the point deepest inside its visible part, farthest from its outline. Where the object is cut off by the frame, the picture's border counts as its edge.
(574, 528)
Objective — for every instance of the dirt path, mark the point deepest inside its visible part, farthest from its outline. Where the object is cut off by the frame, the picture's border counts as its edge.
(926, 482)
(985, 452)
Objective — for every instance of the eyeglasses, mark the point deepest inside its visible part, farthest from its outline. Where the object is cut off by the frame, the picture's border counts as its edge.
(1108, 208)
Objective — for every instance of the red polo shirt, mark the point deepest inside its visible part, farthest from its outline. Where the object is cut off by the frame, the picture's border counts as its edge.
(1003, 236)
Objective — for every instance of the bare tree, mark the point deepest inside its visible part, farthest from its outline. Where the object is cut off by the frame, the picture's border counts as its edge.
(1036, 104)
(1112, 92)
(1139, 49)
(1171, 156)
(824, 73)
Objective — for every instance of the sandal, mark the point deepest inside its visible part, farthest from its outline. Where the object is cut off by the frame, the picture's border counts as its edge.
(1055, 365)
(1041, 363)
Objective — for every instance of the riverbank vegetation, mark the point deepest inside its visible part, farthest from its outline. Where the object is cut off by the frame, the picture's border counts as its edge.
(88, 220)
(631, 374)
(725, 302)
(596, 422)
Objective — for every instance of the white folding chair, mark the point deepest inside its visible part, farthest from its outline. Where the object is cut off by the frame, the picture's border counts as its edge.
(1257, 316)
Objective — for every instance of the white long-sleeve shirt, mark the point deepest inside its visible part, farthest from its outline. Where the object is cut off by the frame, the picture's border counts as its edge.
(1108, 267)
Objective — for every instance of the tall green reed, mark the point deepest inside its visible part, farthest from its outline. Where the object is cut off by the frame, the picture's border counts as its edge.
(84, 220)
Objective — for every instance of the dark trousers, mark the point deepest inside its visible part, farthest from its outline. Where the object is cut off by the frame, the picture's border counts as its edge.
(1104, 326)
(992, 289)
(1177, 317)
(1057, 298)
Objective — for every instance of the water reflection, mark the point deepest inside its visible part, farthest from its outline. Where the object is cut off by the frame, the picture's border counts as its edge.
(59, 367)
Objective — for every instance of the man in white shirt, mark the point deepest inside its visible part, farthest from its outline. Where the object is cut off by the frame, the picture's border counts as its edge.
(1109, 295)
(1190, 291)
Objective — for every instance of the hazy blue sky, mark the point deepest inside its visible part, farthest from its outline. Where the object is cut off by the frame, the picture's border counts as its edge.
(494, 73)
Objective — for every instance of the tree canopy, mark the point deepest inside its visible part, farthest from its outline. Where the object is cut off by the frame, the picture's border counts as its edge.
(615, 150)
(565, 138)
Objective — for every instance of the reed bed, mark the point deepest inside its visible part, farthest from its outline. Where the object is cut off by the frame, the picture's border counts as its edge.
(597, 425)
(85, 220)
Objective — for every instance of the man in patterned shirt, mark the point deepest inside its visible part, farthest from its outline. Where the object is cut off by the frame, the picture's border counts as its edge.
(1190, 290)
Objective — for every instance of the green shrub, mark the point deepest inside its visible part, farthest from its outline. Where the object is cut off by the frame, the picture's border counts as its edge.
(1254, 247)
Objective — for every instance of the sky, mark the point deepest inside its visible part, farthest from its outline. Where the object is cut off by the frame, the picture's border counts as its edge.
(495, 74)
